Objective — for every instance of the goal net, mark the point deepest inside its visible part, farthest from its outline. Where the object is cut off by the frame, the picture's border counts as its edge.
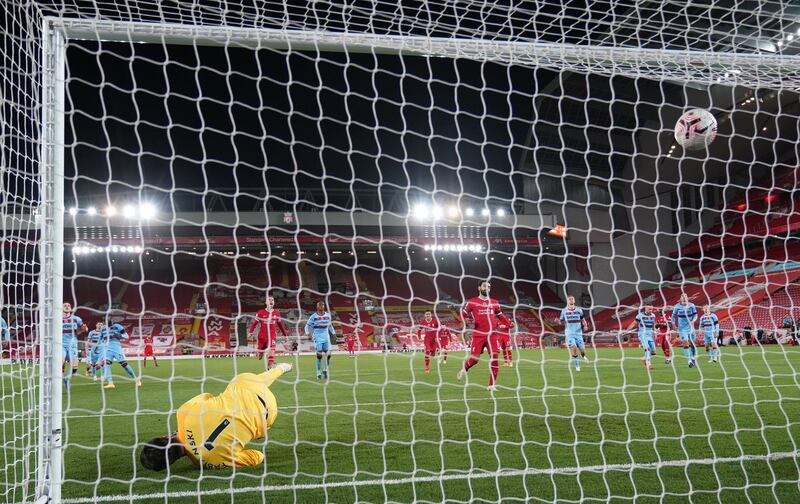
(170, 171)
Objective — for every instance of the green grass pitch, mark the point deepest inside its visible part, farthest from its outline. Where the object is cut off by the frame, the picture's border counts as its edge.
(382, 430)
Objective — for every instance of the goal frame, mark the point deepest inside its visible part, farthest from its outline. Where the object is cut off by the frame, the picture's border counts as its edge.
(700, 67)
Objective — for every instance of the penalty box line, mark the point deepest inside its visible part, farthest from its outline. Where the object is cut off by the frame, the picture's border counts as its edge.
(503, 473)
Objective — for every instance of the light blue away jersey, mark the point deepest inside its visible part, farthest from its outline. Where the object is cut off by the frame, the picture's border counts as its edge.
(70, 326)
(112, 336)
(572, 318)
(709, 324)
(320, 326)
(6, 334)
(684, 316)
(646, 321)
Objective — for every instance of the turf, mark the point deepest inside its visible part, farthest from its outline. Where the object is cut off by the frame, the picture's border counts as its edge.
(381, 430)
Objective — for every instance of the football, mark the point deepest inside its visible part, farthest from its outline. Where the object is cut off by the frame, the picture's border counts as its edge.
(696, 129)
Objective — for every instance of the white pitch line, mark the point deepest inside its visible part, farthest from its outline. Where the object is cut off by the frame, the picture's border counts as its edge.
(506, 398)
(503, 473)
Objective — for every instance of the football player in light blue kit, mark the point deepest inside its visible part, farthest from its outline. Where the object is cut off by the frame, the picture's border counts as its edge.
(320, 327)
(646, 320)
(72, 326)
(683, 316)
(4, 330)
(709, 324)
(112, 338)
(574, 323)
(94, 350)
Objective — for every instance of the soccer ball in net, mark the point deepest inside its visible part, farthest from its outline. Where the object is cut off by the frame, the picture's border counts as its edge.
(696, 129)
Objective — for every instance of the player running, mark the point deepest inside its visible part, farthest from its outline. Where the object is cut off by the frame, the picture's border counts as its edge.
(663, 339)
(709, 324)
(485, 313)
(683, 316)
(574, 323)
(320, 329)
(646, 320)
(112, 341)
(503, 343)
(72, 326)
(270, 320)
(213, 431)
(430, 325)
(148, 350)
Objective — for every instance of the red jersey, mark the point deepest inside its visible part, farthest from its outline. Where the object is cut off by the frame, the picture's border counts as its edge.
(148, 341)
(444, 333)
(350, 337)
(485, 314)
(270, 321)
(431, 328)
(661, 324)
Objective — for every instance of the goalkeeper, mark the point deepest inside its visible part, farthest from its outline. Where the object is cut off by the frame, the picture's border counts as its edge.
(214, 430)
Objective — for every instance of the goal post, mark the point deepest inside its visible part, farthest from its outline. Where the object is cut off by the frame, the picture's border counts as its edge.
(51, 268)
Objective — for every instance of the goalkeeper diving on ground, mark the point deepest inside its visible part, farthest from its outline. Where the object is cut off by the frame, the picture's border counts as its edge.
(213, 431)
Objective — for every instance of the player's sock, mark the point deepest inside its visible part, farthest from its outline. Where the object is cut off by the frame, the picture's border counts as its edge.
(427, 362)
(494, 368)
(319, 366)
(647, 357)
(328, 362)
(469, 363)
(271, 360)
(74, 370)
(687, 352)
(129, 370)
(445, 355)
(107, 374)
(155, 361)
(577, 362)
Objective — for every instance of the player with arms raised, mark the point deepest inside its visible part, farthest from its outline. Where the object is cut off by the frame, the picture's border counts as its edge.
(72, 326)
(646, 320)
(574, 323)
(213, 431)
(320, 328)
(430, 326)
(485, 313)
(683, 316)
(112, 341)
(709, 324)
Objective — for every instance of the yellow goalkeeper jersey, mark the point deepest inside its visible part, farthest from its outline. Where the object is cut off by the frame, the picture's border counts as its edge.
(214, 430)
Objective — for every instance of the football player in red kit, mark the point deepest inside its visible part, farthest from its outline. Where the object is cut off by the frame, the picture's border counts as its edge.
(486, 316)
(444, 342)
(662, 337)
(270, 321)
(350, 342)
(429, 325)
(502, 337)
(148, 350)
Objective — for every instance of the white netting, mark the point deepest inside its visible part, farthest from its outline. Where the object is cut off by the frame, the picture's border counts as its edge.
(386, 160)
